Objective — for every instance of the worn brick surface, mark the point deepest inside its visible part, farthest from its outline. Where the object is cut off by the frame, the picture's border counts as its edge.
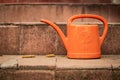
(106, 68)
(6, 74)
(60, 49)
(8, 61)
(2, 14)
(100, 10)
(25, 13)
(114, 12)
(67, 11)
(9, 39)
(111, 43)
(39, 62)
(34, 75)
(7, 1)
(88, 75)
(31, 38)
(57, 13)
(35, 12)
(5, 58)
(37, 40)
(116, 1)
(94, 9)
(12, 13)
(57, 1)
(26, 75)
(106, 62)
(12, 63)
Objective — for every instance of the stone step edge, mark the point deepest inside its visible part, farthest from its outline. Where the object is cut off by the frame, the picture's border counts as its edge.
(41, 62)
(59, 23)
(54, 3)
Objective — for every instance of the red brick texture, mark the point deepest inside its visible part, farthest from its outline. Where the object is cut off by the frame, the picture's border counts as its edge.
(9, 39)
(29, 38)
(57, 1)
(34, 75)
(42, 39)
(59, 68)
(26, 75)
(59, 75)
(37, 40)
(57, 13)
(88, 75)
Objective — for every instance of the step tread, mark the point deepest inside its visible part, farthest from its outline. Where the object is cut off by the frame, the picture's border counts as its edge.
(41, 62)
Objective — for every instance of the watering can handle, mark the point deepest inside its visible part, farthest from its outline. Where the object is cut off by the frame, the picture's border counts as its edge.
(95, 17)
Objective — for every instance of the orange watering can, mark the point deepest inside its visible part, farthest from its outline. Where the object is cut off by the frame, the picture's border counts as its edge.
(82, 41)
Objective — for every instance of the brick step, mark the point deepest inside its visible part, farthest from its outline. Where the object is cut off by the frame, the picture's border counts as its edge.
(14, 67)
(58, 1)
(39, 38)
(56, 12)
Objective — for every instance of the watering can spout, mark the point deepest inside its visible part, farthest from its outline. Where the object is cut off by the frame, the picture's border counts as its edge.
(60, 33)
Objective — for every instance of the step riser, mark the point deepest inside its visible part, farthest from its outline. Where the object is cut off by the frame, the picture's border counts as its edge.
(42, 39)
(56, 12)
(26, 75)
(88, 75)
(14, 67)
(49, 1)
(58, 75)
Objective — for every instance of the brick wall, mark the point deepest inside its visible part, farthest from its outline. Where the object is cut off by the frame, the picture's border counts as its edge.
(58, 1)
(22, 33)
(56, 13)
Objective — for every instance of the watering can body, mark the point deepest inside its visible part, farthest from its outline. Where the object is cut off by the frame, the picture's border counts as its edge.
(82, 41)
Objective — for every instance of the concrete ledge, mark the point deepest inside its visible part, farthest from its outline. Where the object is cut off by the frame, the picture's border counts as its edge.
(39, 62)
(106, 62)
(59, 68)
(42, 62)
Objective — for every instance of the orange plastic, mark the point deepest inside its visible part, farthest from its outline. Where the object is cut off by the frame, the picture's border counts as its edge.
(82, 41)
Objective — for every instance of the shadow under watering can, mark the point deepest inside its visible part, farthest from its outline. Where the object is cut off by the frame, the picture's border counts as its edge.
(82, 41)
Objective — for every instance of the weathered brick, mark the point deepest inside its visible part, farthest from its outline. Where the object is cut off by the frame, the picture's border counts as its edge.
(34, 75)
(6, 74)
(116, 1)
(60, 49)
(25, 13)
(111, 43)
(45, 11)
(2, 14)
(7, 1)
(114, 12)
(96, 1)
(69, 11)
(84, 75)
(105, 1)
(12, 13)
(87, 1)
(100, 10)
(37, 40)
(57, 1)
(56, 13)
(9, 39)
(32, 44)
